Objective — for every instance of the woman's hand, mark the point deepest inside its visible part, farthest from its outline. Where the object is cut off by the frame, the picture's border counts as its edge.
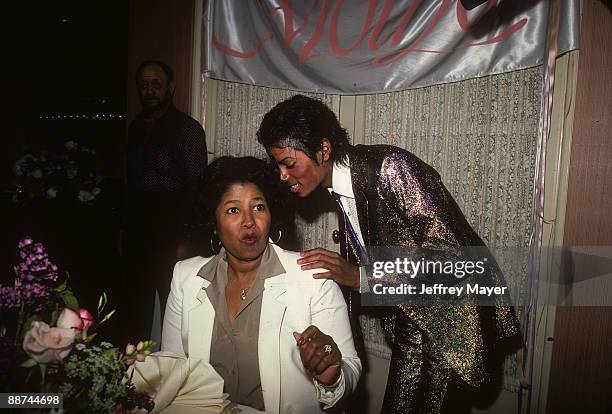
(339, 270)
(320, 355)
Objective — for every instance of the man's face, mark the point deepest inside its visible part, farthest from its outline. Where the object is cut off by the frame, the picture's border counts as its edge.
(153, 88)
(301, 173)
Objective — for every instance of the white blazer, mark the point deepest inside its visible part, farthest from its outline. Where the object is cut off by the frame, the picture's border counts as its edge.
(291, 302)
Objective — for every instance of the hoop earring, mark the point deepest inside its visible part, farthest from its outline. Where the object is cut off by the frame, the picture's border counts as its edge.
(280, 234)
(214, 249)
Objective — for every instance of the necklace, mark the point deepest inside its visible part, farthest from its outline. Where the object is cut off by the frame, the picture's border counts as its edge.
(243, 291)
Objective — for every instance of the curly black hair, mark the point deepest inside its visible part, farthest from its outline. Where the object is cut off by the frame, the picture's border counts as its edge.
(301, 123)
(223, 172)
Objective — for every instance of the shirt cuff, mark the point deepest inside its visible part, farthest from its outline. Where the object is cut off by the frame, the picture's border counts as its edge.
(329, 395)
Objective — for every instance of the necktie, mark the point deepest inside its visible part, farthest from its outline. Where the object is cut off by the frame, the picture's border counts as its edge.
(351, 237)
(351, 242)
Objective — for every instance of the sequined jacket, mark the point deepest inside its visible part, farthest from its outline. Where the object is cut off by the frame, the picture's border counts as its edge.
(401, 201)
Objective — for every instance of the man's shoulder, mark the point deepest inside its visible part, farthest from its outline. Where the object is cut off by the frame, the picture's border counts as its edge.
(377, 155)
(182, 116)
(184, 121)
(137, 122)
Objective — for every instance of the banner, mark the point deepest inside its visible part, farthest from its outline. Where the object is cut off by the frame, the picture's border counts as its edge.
(368, 46)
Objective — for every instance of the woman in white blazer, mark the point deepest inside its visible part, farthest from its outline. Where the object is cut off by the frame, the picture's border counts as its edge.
(280, 339)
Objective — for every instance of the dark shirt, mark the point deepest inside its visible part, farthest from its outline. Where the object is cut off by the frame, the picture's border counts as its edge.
(167, 154)
(166, 157)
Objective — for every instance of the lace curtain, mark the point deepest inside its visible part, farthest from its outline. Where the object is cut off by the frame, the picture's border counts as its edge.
(480, 135)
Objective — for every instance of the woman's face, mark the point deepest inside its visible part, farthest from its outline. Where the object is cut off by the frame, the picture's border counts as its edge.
(243, 221)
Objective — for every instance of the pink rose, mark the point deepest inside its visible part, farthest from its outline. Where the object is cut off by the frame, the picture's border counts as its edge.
(45, 344)
(70, 319)
(87, 318)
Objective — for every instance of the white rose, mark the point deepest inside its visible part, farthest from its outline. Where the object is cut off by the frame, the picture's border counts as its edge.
(85, 196)
(51, 193)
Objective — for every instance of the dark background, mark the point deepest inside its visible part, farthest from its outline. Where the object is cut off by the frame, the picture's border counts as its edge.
(75, 57)
(64, 74)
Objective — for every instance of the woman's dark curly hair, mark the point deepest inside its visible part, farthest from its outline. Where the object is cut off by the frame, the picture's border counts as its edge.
(223, 172)
(301, 123)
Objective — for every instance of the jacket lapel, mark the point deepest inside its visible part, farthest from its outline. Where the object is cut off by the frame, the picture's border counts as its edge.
(201, 319)
(273, 309)
(358, 180)
(363, 215)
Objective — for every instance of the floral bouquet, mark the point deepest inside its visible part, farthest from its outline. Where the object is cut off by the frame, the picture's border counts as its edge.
(53, 345)
(68, 172)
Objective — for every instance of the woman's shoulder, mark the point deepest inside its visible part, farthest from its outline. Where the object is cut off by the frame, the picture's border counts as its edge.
(285, 255)
(289, 260)
(188, 268)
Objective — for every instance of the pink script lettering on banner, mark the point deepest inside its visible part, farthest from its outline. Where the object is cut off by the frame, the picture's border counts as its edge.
(306, 52)
(364, 46)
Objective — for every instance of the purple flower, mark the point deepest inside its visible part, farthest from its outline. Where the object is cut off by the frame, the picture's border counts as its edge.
(34, 296)
(35, 264)
(9, 298)
(25, 241)
(36, 277)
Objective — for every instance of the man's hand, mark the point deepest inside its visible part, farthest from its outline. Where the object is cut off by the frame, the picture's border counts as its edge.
(339, 270)
(320, 355)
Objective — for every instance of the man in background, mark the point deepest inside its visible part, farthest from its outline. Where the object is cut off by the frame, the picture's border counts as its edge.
(166, 156)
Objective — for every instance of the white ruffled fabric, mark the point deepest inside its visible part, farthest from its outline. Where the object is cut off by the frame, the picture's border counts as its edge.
(180, 385)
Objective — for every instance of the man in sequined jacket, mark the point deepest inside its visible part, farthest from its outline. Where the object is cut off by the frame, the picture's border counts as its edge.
(386, 196)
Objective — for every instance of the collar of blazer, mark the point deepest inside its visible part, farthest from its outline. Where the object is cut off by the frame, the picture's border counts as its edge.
(277, 283)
